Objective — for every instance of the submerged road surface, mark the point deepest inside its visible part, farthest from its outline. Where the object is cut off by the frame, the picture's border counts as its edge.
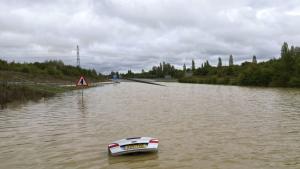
(199, 126)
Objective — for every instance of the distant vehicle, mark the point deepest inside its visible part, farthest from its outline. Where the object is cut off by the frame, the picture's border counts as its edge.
(133, 145)
(115, 79)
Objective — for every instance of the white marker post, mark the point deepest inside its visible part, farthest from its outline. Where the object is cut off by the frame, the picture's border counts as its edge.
(82, 83)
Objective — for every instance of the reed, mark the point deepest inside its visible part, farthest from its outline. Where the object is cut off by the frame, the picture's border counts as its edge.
(16, 92)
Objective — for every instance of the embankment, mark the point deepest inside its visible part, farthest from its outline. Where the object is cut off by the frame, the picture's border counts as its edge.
(21, 93)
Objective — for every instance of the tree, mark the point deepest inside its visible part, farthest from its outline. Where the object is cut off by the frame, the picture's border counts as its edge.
(184, 68)
(205, 68)
(292, 51)
(230, 60)
(130, 74)
(117, 75)
(206, 64)
(297, 52)
(193, 65)
(284, 50)
(219, 62)
(288, 60)
(112, 73)
(254, 59)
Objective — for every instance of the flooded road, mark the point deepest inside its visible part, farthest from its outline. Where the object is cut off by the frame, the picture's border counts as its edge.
(199, 126)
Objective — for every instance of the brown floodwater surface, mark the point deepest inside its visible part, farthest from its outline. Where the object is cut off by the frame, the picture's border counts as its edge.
(199, 126)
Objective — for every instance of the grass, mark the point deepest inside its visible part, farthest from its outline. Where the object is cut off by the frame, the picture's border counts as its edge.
(33, 81)
(12, 92)
(13, 76)
(210, 80)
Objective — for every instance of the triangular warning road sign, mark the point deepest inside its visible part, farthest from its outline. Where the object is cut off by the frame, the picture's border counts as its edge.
(81, 82)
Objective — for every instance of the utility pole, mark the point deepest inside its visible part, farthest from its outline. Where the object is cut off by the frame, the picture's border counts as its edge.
(78, 59)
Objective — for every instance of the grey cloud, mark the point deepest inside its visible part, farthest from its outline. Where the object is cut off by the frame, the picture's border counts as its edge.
(132, 34)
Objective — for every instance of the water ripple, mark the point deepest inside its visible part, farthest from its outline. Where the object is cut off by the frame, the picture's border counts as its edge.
(199, 126)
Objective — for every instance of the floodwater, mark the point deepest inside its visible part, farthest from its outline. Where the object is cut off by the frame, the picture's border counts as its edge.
(199, 126)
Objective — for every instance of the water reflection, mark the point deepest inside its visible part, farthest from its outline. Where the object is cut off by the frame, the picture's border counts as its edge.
(132, 158)
(81, 101)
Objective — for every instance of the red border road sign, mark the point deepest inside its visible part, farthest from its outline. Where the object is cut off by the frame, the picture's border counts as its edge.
(82, 82)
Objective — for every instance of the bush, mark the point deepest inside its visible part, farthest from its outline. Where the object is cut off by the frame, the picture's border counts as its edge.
(25, 70)
(294, 82)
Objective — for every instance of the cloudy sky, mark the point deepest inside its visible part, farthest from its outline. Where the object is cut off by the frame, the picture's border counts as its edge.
(134, 34)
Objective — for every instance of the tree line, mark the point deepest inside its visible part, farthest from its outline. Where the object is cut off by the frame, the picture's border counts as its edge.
(278, 72)
(53, 68)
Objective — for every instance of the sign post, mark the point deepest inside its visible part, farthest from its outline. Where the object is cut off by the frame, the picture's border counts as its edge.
(82, 83)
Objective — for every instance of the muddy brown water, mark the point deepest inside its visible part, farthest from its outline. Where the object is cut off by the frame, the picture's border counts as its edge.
(199, 126)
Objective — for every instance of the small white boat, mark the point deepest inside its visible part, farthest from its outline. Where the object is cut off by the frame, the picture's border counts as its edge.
(133, 145)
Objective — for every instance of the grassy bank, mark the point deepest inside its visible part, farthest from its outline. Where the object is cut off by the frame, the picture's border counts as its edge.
(210, 80)
(46, 72)
(21, 93)
(20, 82)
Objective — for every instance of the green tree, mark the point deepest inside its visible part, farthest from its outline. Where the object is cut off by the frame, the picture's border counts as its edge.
(230, 60)
(193, 66)
(284, 50)
(164, 67)
(206, 64)
(130, 74)
(292, 51)
(287, 58)
(254, 59)
(117, 74)
(297, 52)
(219, 62)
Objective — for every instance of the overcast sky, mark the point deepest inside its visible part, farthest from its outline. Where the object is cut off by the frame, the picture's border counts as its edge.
(134, 34)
